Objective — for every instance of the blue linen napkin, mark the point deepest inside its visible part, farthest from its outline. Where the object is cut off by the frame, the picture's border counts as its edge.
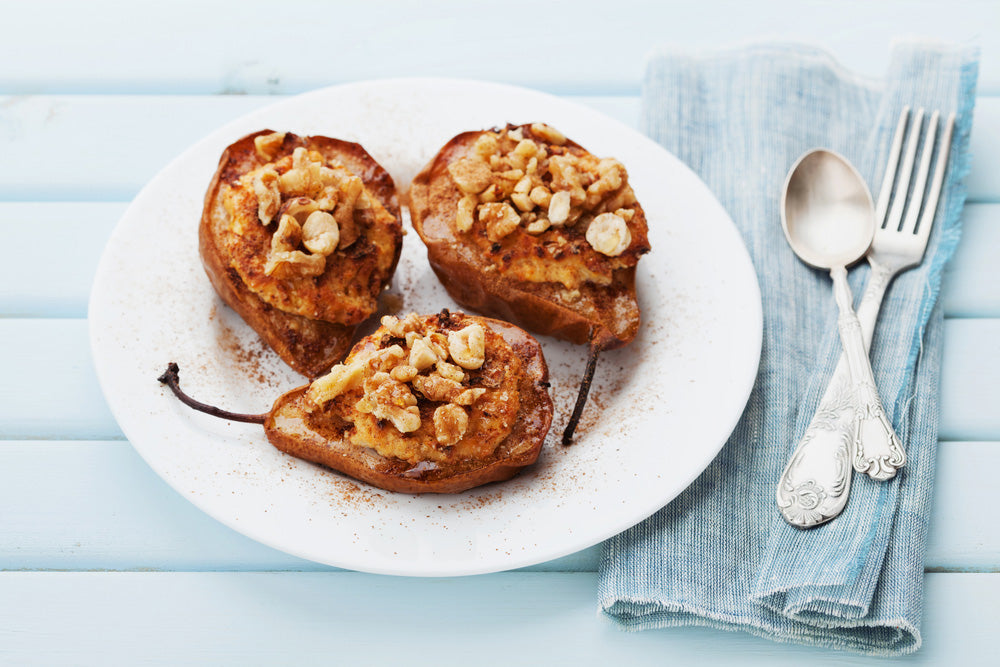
(720, 554)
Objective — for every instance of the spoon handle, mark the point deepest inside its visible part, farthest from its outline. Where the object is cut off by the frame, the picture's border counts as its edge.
(877, 449)
(816, 482)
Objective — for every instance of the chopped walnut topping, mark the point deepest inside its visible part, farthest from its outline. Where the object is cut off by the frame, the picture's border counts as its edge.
(267, 145)
(559, 207)
(421, 354)
(437, 388)
(265, 187)
(500, 219)
(386, 401)
(466, 210)
(284, 260)
(386, 398)
(403, 373)
(468, 346)
(608, 234)
(469, 396)
(449, 371)
(549, 133)
(471, 176)
(341, 378)
(450, 424)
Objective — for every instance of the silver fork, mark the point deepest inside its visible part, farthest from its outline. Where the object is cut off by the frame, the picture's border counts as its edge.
(815, 484)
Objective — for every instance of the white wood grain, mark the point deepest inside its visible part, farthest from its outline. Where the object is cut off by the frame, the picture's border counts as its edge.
(77, 231)
(197, 47)
(119, 142)
(107, 619)
(50, 390)
(85, 505)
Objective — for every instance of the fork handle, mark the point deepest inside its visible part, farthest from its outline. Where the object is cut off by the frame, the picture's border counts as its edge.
(816, 482)
(877, 449)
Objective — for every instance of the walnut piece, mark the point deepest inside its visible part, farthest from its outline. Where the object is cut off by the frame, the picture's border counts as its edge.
(267, 145)
(468, 346)
(500, 219)
(341, 378)
(450, 424)
(471, 176)
(386, 398)
(265, 188)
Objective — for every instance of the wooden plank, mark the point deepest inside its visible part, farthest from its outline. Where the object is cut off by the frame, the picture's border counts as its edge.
(56, 283)
(123, 517)
(969, 371)
(50, 390)
(107, 619)
(149, 131)
(104, 46)
(77, 231)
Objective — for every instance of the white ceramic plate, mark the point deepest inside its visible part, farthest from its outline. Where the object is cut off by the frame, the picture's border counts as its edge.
(659, 410)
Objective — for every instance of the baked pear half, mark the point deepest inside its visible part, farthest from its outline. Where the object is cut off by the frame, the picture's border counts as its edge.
(426, 404)
(525, 225)
(299, 235)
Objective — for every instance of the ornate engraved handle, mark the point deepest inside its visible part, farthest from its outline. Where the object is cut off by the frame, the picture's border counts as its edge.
(815, 484)
(877, 449)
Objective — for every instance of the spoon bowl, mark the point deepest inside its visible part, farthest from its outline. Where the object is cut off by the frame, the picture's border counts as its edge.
(827, 212)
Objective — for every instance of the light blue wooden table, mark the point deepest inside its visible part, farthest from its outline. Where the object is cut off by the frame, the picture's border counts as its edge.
(102, 563)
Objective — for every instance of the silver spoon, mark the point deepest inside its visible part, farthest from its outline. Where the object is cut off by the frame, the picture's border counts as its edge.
(829, 220)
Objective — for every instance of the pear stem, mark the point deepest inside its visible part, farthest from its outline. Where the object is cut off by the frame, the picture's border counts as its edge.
(171, 378)
(581, 397)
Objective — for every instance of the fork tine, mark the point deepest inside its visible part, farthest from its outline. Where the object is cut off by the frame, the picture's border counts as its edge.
(905, 171)
(890, 168)
(930, 206)
(913, 210)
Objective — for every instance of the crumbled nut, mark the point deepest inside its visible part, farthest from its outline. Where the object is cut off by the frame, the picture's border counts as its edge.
(464, 217)
(296, 181)
(449, 371)
(421, 355)
(284, 259)
(468, 346)
(517, 134)
(500, 219)
(438, 342)
(522, 201)
(471, 176)
(390, 356)
(526, 148)
(488, 195)
(265, 187)
(392, 325)
(608, 234)
(486, 145)
(351, 189)
(625, 214)
(469, 396)
(541, 196)
(559, 206)
(267, 145)
(548, 133)
(320, 233)
(450, 424)
(538, 226)
(403, 373)
(287, 263)
(341, 378)
(437, 388)
(386, 398)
